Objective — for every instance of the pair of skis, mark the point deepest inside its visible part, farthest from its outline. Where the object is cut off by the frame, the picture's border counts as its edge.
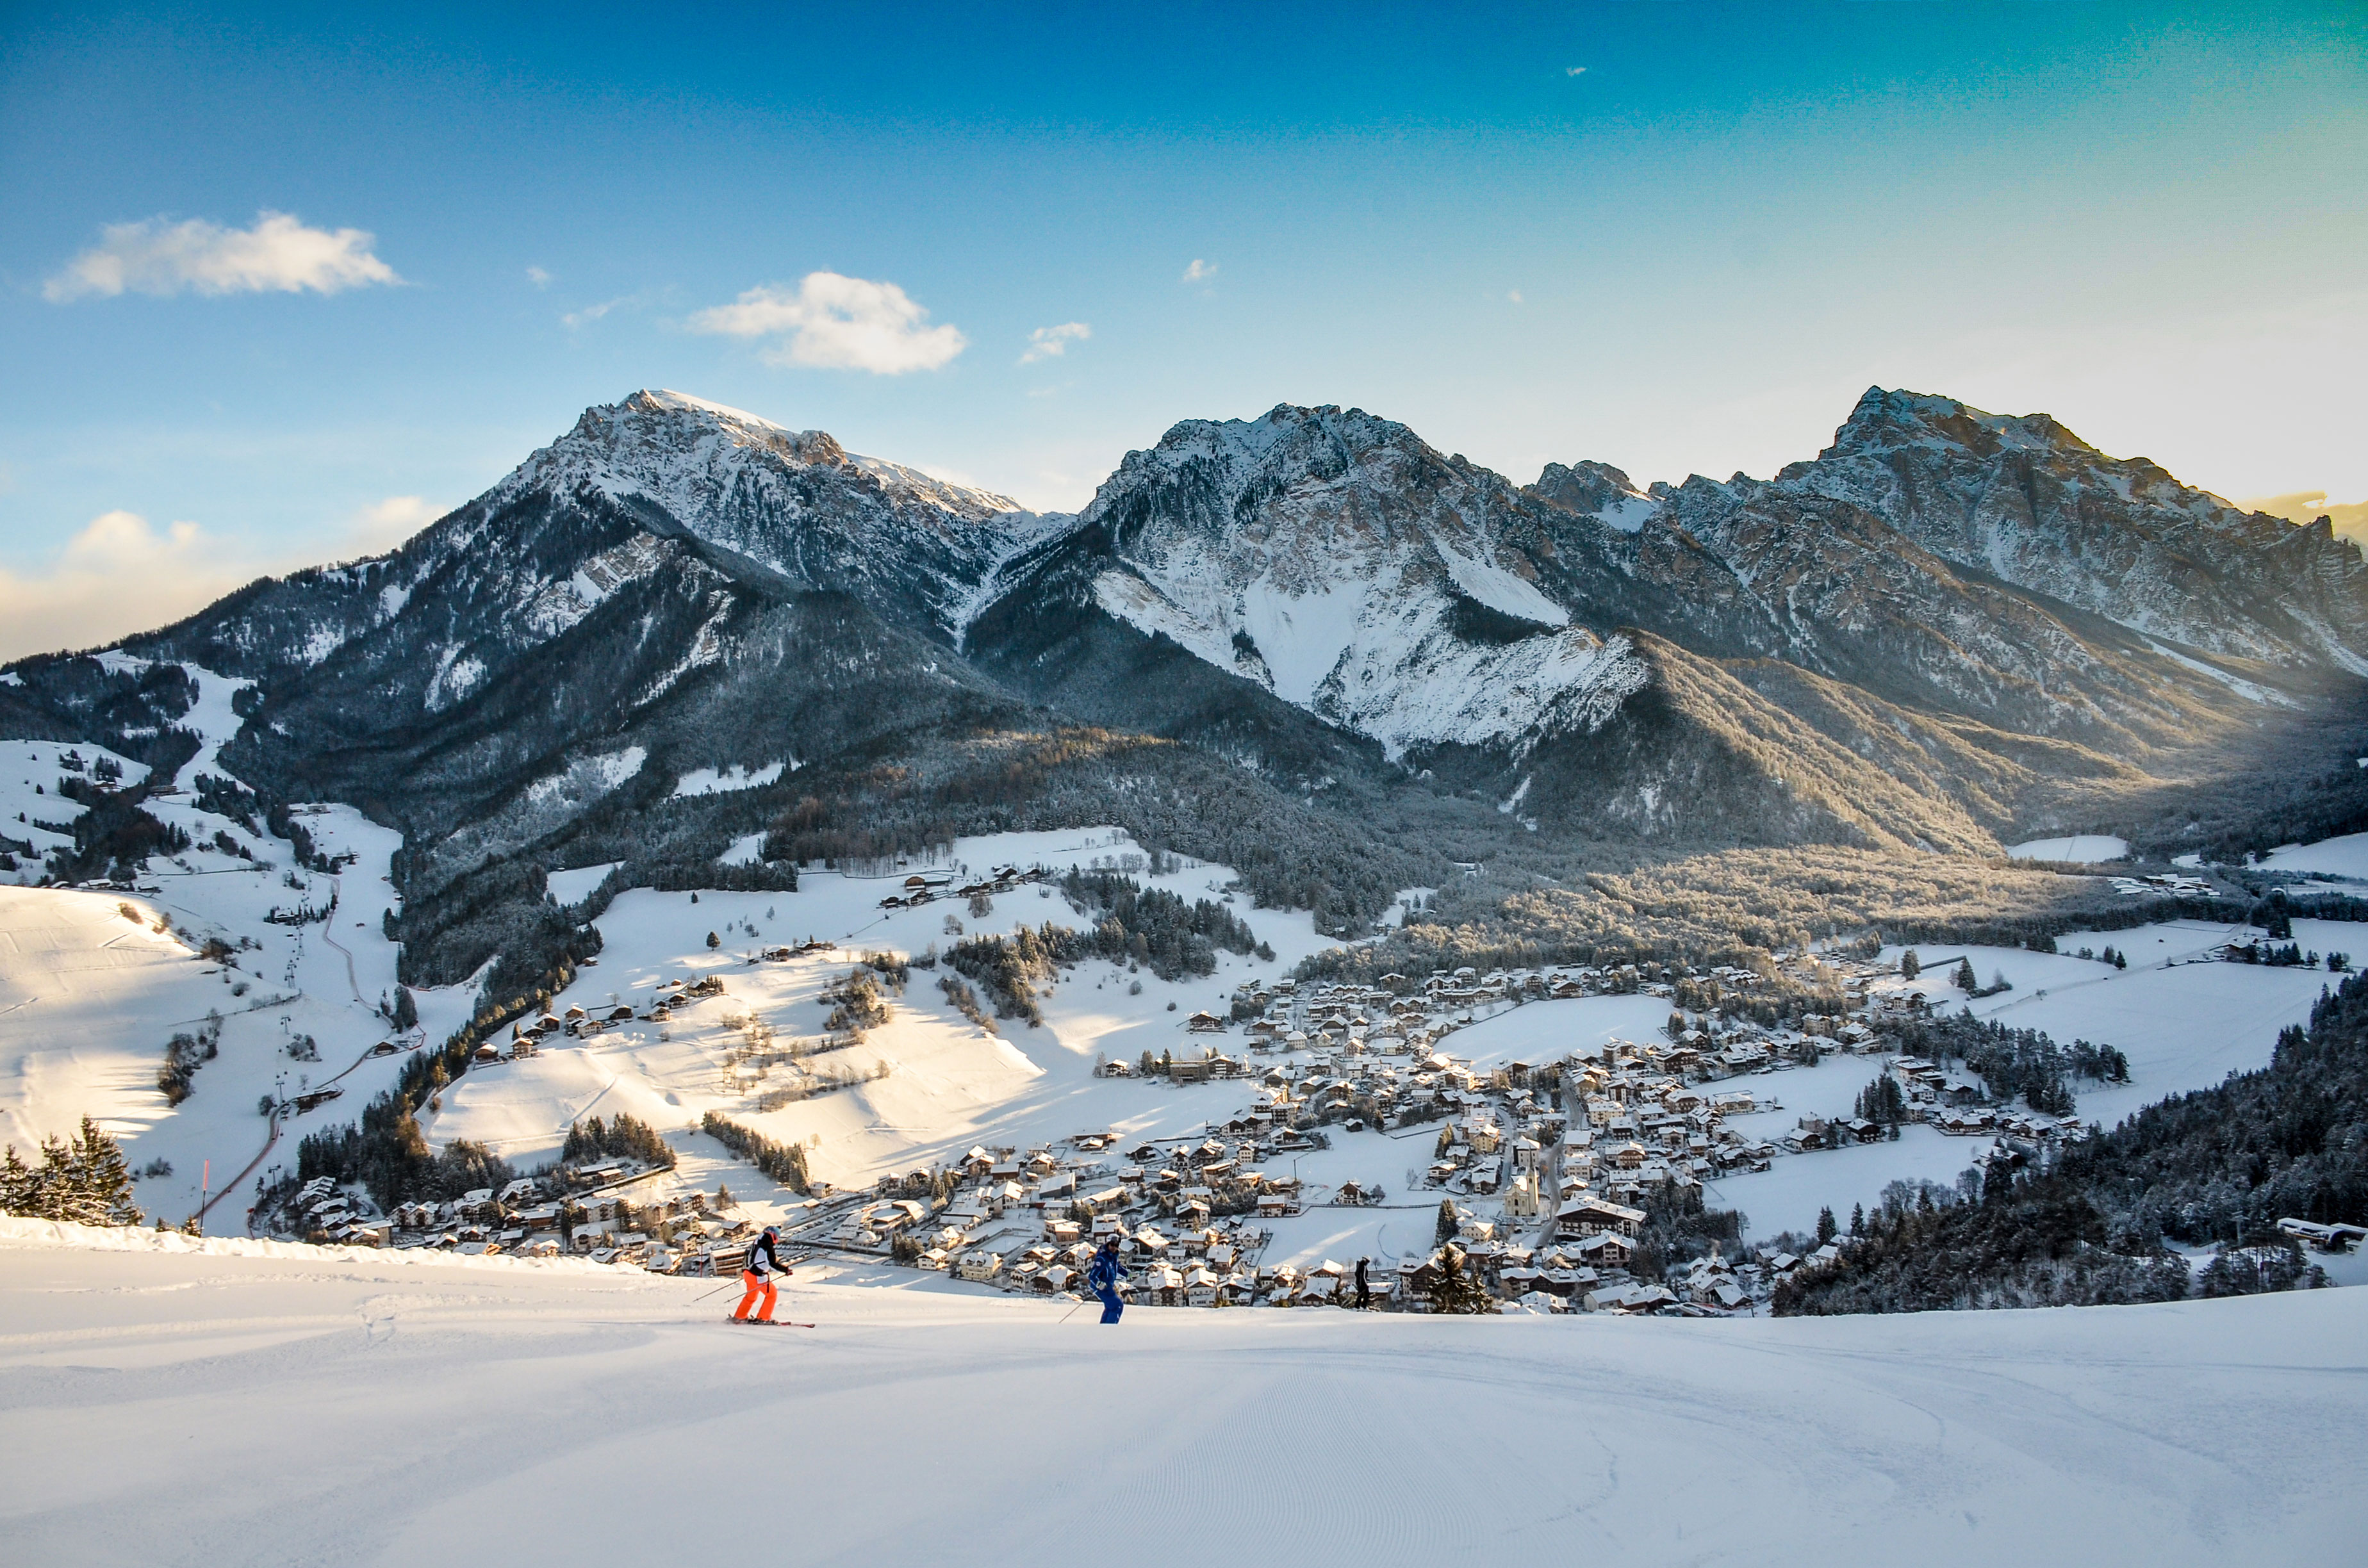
(766, 1323)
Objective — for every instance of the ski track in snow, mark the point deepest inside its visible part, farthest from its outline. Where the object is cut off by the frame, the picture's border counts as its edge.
(155, 1399)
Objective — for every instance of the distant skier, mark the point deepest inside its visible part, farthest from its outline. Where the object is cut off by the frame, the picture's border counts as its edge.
(1364, 1287)
(1102, 1276)
(763, 1263)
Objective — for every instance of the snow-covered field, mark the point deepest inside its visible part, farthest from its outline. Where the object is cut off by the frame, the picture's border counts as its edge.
(2090, 847)
(89, 995)
(31, 810)
(166, 1406)
(946, 1085)
(2183, 1026)
(2344, 856)
(88, 998)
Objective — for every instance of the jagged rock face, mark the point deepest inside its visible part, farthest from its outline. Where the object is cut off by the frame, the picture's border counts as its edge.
(1335, 560)
(1596, 490)
(1858, 601)
(1886, 647)
(2026, 499)
(916, 549)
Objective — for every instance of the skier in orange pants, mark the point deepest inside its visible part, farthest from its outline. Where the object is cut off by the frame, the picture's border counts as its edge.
(763, 1263)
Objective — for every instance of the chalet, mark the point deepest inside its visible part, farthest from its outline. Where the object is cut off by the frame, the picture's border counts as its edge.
(1586, 1217)
(1205, 1023)
(1629, 1298)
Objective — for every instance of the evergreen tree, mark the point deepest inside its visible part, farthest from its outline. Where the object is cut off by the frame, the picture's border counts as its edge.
(714, 940)
(19, 1187)
(1965, 981)
(1910, 966)
(1826, 1227)
(406, 1010)
(104, 1178)
(1456, 1291)
(1858, 1219)
(1446, 1228)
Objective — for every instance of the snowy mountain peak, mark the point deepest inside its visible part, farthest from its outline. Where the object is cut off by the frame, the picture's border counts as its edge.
(1599, 491)
(689, 455)
(758, 430)
(2024, 499)
(1338, 561)
(1888, 420)
(794, 502)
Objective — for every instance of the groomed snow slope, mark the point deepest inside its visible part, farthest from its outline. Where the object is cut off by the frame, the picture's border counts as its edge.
(166, 1406)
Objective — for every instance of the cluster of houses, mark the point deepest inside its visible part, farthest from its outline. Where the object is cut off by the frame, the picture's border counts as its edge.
(1184, 1214)
(1547, 1165)
(926, 887)
(583, 1023)
(2162, 884)
(1955, 1105)
(610, 1212)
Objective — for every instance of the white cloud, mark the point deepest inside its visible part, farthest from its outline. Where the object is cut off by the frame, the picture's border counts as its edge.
(1514, 295)
(538, 277)
(117, 575)
(379, 528)
(836, 323)
(279, 255)
(1575, 70)
(574, 319)
(1051, 341)
(1200, 271)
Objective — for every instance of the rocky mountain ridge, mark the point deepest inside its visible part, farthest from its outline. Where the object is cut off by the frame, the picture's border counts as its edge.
(1311, 627)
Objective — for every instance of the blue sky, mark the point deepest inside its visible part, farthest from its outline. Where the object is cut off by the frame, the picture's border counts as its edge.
(1675, 237)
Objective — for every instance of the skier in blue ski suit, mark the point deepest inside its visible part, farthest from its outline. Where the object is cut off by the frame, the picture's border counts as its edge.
(1103, 1275)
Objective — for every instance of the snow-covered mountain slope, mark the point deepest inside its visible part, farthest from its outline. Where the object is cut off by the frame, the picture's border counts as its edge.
(2025, 499)
(669, 587)
(2173, 1434)
(792, 502)
(279, 967)
(1338, 562)
(1316, 605)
